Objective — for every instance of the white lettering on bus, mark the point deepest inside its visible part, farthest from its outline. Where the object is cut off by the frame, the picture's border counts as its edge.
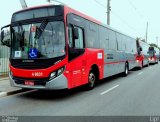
(37, 74)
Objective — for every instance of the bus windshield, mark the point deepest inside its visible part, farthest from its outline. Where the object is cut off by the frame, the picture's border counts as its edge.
(151, 51)
(38, 40)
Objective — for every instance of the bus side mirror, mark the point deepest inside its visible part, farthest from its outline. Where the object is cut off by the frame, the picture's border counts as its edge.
(75, 34)
(2, 35)
(140, 48)
(6, 36)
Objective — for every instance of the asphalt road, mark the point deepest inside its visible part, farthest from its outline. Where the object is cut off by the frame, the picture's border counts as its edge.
(135, 95)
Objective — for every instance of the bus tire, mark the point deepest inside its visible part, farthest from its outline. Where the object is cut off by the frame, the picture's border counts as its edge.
(126, 70)
(91, 80)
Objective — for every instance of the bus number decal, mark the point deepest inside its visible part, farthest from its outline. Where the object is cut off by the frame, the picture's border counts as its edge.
(37, 74)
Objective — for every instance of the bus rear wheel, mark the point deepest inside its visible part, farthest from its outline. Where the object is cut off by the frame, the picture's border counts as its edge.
(91, 80)
(126, 70)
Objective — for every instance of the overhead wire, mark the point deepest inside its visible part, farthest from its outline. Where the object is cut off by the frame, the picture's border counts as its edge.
(136, 10)
(115, 14)
(123, 21)
(100, 4)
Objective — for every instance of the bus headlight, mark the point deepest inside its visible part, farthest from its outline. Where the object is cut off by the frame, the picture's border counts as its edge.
(60, 71)
(53, 75)
(56, 73)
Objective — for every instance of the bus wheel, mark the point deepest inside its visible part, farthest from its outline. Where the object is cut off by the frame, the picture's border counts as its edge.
(91, 80)
(125, 73)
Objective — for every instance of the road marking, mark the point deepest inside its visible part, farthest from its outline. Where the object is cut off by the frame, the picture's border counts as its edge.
(140, 73)
(109, 90)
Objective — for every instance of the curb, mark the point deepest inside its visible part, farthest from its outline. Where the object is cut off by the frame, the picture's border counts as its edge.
(4, 94)
(1, 79)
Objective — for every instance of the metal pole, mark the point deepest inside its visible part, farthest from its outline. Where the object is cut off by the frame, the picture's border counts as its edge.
(157, 40)
(108, 12)
(147, 32)
(56, 1)
(23, 4)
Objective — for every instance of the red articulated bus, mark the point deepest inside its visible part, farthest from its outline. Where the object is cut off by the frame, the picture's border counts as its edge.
(56, 47)
(142, 56)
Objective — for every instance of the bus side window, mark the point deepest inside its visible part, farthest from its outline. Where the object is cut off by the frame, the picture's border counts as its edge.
(79, 43)
(70, 36)
(76, 46)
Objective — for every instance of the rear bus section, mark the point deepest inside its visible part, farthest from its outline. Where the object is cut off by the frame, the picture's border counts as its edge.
(108, 52)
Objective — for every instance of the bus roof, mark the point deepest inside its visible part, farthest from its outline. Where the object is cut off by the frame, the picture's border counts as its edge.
(34, 7)
(71, 10)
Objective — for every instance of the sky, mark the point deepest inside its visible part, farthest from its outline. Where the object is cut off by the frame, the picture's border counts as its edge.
(127, 16)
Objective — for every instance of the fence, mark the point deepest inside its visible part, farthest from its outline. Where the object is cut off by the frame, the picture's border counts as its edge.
(4, 61)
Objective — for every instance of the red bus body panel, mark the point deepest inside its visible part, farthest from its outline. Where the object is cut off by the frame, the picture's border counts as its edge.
(77, 70)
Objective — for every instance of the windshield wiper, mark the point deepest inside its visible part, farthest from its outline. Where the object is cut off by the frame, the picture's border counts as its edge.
(41, 28)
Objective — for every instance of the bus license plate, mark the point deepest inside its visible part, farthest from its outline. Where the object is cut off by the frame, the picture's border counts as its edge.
(29, 83)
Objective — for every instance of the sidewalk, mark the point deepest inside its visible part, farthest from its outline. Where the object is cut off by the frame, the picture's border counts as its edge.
(5, 88)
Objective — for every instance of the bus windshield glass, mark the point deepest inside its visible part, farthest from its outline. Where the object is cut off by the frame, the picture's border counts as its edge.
(151, 51)
(37, 13)
(38, 40)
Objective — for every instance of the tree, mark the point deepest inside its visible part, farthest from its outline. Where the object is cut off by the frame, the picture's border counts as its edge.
(154, 45)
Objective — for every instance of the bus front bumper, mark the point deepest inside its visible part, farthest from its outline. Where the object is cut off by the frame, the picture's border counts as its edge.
(58, 83)
(152, 61)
